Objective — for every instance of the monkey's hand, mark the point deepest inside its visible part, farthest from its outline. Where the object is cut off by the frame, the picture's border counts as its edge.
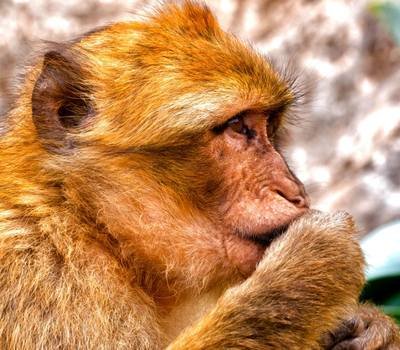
(307, 281)
(367, 328)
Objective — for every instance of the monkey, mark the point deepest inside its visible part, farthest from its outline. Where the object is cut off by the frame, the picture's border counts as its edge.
(145, 203)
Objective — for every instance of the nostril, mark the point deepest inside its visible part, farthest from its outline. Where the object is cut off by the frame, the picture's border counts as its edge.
(281, 194)
(299, 200)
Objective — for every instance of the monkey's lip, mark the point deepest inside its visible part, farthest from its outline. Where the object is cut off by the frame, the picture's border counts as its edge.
(266, 238)
(245, 250)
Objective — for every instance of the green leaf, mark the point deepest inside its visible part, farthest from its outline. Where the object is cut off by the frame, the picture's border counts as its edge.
(393, 311)
(394, 300)
(389, 13)
(381, 291)
(382, 251)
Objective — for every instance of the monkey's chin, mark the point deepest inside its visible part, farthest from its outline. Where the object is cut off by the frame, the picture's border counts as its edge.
(246, 251)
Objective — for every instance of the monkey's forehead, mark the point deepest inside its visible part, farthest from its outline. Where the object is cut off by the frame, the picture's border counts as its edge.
(182, 48)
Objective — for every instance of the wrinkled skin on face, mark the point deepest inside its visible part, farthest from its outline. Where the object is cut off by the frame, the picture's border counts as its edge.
(261, 194)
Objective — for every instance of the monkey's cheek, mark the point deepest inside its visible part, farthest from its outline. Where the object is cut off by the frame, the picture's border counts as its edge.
(243, 254)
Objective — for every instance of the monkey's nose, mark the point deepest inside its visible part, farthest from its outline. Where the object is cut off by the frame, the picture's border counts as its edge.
(294, 192)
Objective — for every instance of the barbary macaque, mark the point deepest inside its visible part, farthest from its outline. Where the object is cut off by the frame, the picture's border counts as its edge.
(144, 203)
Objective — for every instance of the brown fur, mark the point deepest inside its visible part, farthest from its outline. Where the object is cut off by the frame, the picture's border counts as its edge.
(120, 191)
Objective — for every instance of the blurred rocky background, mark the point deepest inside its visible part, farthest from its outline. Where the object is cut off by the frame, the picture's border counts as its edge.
(347, 147)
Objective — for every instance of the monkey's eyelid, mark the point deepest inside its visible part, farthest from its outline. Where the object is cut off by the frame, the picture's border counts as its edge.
(221, 127)
(236, 123)
(273, 114)
(234, 120)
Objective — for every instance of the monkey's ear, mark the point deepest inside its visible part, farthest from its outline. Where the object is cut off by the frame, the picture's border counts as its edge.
(60, 101)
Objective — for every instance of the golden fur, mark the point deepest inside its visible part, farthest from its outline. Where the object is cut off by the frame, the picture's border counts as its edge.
(108, 234)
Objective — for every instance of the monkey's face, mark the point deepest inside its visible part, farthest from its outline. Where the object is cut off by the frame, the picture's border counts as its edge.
(165, 135)
(261, 196)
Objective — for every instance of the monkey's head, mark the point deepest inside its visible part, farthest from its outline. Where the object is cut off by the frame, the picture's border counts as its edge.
(164, 135)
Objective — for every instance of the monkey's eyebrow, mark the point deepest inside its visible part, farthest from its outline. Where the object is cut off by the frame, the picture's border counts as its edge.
(277, 107)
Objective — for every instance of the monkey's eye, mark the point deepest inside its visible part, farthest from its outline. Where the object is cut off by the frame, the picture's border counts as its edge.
(237, 125)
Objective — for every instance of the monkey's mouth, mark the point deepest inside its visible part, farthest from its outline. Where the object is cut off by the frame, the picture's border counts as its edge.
(265, 239)
(245, 250)
(268, 237)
